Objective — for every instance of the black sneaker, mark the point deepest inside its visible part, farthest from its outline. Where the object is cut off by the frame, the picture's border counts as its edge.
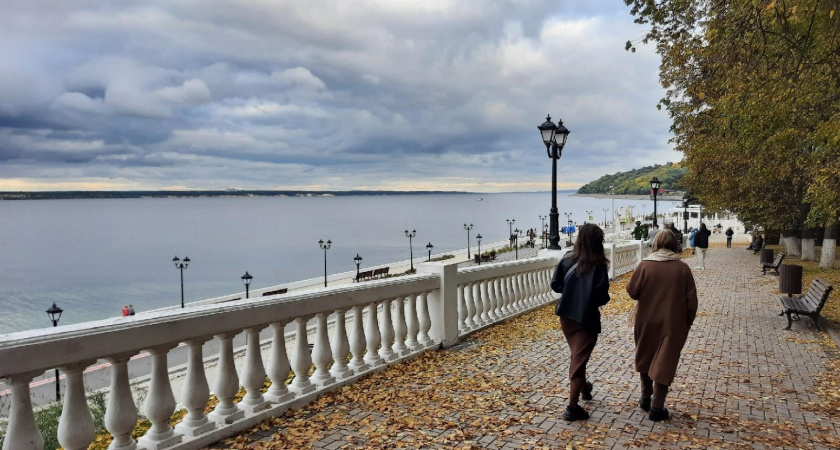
(644, 403)
(574, 413)
(587, 392)
(658, 414)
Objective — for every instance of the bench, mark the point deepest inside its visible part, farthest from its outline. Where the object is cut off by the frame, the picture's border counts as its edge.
(485, 258)
(809, 304)
(773, 265)
(279, 291)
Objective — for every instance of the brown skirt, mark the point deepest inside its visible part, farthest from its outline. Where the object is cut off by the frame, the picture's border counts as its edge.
(581, 342)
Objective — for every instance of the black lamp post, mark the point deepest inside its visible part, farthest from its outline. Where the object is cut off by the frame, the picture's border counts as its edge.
(544, 234)
(181, 265)
(542, 229)
(54, 313)
(685, 214)
(478, 238)
(325, 247)
(247, 280)
(605, 218)
(569, 227)
(468, 228)
(654, 185)
(554, 137)
(358, 260)
(429, 247)
(510, 229)
(410, 236)
(516, 233)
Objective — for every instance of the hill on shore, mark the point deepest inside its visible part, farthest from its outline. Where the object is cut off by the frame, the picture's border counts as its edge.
(636, 181)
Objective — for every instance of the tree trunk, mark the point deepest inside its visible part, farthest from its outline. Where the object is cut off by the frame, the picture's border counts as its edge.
(829, 247)
(792, 243)
(808, 241)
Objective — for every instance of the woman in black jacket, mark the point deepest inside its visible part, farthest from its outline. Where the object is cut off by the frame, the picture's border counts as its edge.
(583, 279)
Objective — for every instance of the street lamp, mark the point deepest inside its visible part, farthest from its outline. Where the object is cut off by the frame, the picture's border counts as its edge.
(542, 229)
(429, 247)
(468, 228)
(569, 230)
(478, 238)
(554, 137)
(510, 229)
(358, 260)
(654, 184)
(605, 218)
(54, 313)
(325, 247)
(247, 280)
(410, 236)
(516, 233)
(181, 265)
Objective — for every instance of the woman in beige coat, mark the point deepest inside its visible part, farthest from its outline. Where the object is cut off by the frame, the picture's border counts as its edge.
(665, 290)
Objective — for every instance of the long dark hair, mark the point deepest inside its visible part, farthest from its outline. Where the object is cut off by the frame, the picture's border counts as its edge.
(589, 248)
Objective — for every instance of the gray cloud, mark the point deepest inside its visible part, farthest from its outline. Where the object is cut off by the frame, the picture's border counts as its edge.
(368, 93)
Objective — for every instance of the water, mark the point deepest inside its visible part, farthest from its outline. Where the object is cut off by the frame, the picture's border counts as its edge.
(93, 256)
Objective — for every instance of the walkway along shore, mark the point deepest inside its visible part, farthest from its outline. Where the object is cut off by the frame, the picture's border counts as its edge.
(744, 382)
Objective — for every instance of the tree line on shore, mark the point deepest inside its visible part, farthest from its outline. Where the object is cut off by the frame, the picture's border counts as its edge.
(636, 181)
(753, 90)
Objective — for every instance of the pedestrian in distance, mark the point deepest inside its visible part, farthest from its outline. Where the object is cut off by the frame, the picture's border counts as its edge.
(582, 277)
(652, 234)
(701, 241)
(131, 310)
(729, 233)
(125, 311)
(692, 233)
(666, 297)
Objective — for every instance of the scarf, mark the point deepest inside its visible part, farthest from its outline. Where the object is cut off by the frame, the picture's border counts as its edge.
(663, 255)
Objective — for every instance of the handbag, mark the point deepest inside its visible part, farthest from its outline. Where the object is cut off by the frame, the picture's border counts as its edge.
(565, 281)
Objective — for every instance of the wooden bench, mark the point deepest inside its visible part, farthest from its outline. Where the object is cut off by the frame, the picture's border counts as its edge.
(773, 265)
(809, 304)
(279, 291)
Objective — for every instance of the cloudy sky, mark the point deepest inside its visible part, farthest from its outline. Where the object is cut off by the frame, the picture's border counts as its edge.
(315, 94)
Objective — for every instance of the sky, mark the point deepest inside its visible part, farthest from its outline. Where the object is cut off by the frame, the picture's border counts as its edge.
(322, 95)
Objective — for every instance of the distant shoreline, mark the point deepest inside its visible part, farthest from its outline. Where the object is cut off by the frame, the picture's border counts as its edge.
(664, 198)
(74, 195)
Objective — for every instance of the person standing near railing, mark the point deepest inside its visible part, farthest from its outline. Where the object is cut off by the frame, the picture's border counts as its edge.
(582, 276)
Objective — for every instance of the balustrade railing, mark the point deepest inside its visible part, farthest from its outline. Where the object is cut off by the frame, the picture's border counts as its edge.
(357, 329)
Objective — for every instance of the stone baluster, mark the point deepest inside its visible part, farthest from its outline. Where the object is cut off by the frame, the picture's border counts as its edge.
(487, 301)
(358, 342)
(75, 427)
(530, 288)
(517, 294)
(227, 383)
(302, 360)
(462, 310)
(495, 301)
(278, 366)
(340, 348)
(500, 295)
(374, 339)
(425, 321)
(523, 289)
(253, 373)
(159, 404)
(21, 431)
(400, 331)
(547, 273)
(412, 324)
(539, 286)
(480, 315)
(194, 393)
(469, 322)
(322, 353)
(386, 327)
(121, 413)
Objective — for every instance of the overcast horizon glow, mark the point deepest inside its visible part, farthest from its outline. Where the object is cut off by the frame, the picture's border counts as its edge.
(318, 95)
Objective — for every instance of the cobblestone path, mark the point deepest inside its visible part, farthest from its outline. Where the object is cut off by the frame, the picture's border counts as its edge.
(744, 382)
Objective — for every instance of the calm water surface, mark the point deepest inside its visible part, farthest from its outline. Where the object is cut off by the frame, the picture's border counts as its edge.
(93, 256)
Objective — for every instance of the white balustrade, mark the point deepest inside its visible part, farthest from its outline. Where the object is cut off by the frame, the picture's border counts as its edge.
(278, 366)
(322, 353)
(120, 414)
(75, 426)
(462, 309)
(194, 394)
(425, 320)
(467, 295)
(386, 328)
(412, 324)
(400, 331)
(227, 383)
(302, 360)
(358, 342)
(159, 404)
(21, 431)
(374, 338)
(480, 315)
(253, 373)
(340, 348)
